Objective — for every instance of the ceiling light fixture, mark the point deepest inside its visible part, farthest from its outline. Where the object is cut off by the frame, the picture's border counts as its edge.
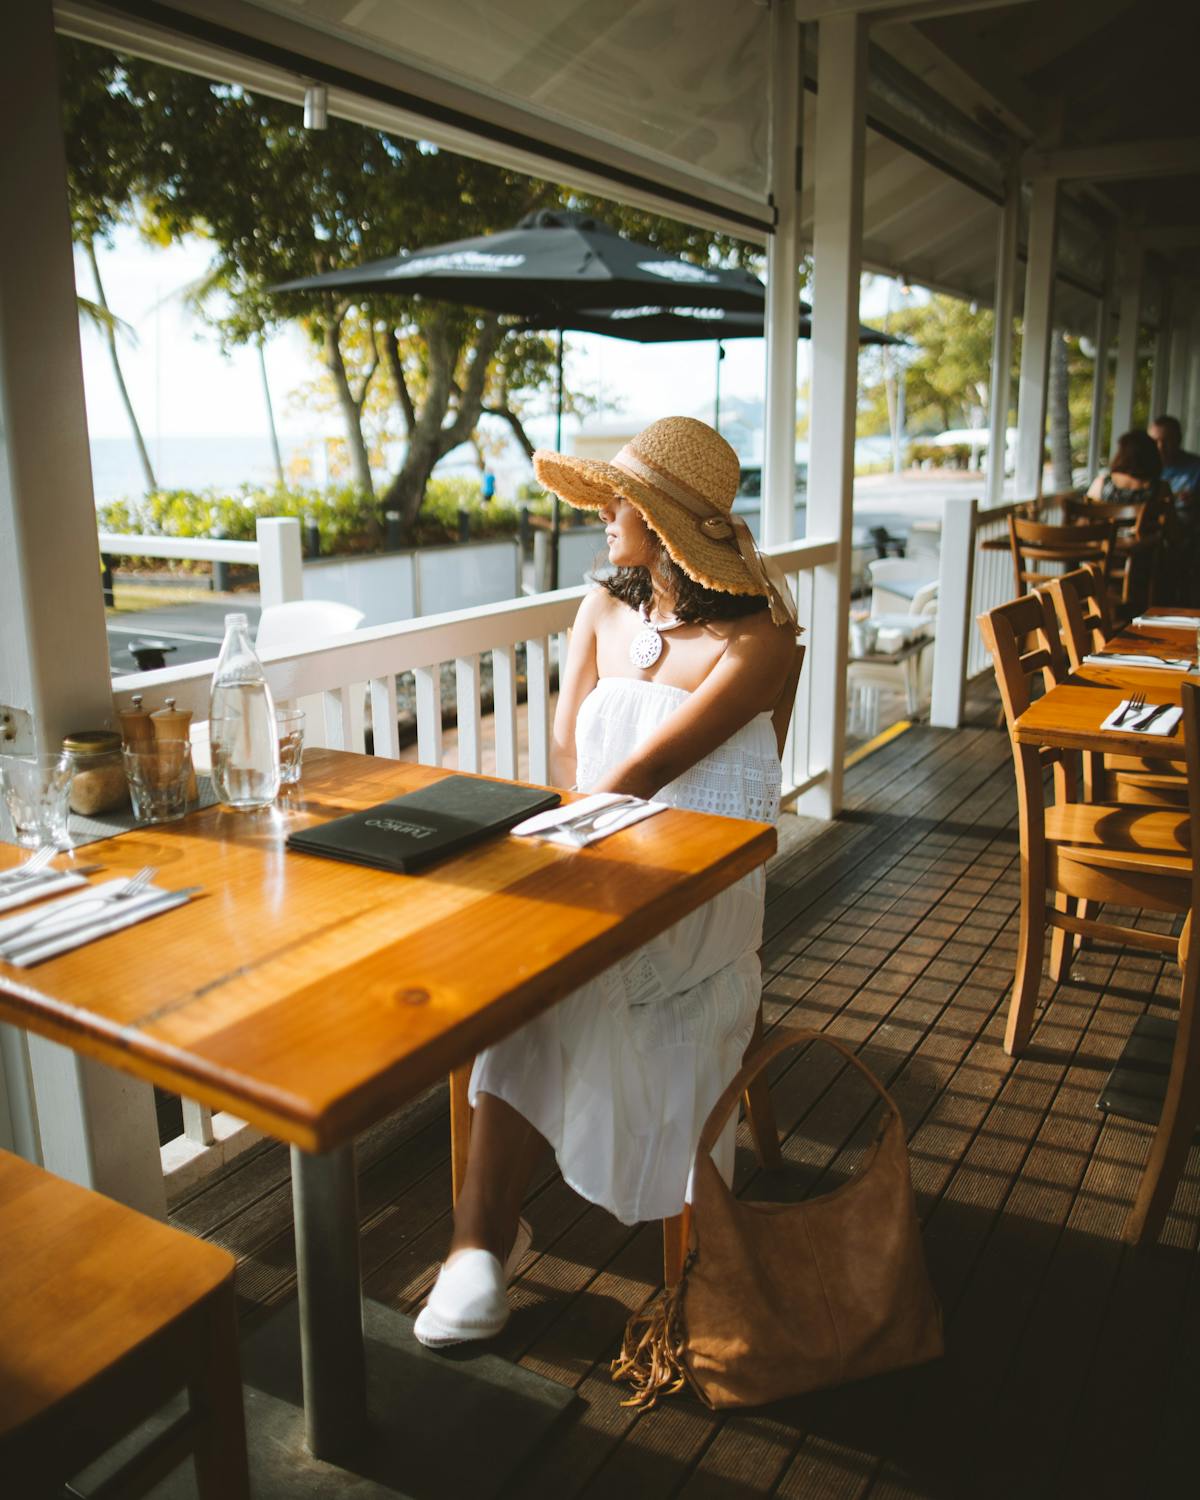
(316, 107)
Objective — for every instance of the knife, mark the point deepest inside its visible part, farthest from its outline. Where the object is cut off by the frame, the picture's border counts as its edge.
(21, 950)
(1144, 723)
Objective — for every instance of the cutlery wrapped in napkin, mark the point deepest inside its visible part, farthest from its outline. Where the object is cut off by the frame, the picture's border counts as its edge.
(57, 926)
(47, 882)
(1168, 622)
(589, 819)
(1133, 659)
(1164, 721)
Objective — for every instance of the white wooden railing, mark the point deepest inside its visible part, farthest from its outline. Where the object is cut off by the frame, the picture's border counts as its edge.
(343, 667)
(275, 552)
(975, 575)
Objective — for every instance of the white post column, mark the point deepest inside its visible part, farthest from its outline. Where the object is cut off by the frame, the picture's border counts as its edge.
(837, 257)
(1189, 413)
(1181, 352)
(1035, 341)
(1006, 276)
(1127, 336)
(783, 280)
(1100, 371)
(1160, 371)
(53, 649)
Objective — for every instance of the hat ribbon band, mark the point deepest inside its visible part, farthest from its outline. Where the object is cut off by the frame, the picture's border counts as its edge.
(718, 526)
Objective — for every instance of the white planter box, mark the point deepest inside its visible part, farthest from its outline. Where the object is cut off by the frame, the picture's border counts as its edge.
(425, 580)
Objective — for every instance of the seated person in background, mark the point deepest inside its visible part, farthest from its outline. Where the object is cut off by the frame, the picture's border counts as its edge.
(1180, 469)
(1134, 473)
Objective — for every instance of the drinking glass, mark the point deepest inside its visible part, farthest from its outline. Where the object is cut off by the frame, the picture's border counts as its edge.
(289, 725)
(36, 790)
(158, 779)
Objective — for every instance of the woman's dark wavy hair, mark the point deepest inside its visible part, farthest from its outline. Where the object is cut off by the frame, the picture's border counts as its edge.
(1137, 455)
(694, 604)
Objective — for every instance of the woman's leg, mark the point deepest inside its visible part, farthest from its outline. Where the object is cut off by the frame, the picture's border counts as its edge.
(504, 1150)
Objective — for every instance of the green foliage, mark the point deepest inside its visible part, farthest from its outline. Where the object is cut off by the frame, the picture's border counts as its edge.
(348, 520)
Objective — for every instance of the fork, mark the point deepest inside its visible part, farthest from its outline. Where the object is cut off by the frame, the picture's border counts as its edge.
(578, 828)
(1135, 705)
(38, 860)
(137, 884)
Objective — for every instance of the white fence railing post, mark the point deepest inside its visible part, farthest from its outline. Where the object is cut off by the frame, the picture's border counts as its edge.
(280, 575)
(955, 579)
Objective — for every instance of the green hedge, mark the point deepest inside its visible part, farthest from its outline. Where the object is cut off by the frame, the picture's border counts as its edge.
(347, 520)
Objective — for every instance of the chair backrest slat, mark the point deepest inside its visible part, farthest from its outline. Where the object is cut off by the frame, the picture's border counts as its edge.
(1080, 601)
(1023, 639)
(1034, 542)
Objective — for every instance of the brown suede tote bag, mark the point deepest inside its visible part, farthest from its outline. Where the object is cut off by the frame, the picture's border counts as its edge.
(781, 1298)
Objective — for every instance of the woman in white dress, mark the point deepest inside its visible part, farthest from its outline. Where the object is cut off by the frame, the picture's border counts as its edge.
(676, 662)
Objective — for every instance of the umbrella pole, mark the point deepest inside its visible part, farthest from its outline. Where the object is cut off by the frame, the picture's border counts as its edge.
(555, 523)
(717, 399)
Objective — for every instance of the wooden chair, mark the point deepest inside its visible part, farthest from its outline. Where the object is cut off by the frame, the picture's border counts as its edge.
(1176, 1128)
(1137, 538)
(105, 1313)
(1034, 542)
(760, 1113)
(1080, 601)
(1073, 852)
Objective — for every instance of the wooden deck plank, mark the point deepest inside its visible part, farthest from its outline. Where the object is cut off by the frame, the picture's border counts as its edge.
(895, 929)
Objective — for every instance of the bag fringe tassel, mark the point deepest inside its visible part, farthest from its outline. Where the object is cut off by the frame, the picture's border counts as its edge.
(651, 1358)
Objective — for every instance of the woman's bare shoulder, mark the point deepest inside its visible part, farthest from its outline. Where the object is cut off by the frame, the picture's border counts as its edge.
(597, 605)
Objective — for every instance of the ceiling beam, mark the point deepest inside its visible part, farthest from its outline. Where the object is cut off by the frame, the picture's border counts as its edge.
(974, 75)
(1170, 158)
(895, 10)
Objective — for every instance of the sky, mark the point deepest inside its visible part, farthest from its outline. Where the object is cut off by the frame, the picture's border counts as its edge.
(182, 385)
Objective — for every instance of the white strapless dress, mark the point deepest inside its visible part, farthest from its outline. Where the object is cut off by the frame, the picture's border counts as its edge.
(621, 1075)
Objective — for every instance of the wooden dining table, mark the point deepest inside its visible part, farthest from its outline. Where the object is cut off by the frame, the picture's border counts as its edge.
(1069, 716)
(313, 998)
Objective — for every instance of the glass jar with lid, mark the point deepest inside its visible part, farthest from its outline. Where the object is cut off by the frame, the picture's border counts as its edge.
(98, 782)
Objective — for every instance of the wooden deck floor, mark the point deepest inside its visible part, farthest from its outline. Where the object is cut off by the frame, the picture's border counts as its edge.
(1073, 1364)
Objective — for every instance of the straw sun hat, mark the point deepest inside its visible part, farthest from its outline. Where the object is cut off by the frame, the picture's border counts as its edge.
(681, 477)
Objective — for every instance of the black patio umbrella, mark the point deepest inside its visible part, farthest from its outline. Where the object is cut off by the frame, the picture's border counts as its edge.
(552, 265)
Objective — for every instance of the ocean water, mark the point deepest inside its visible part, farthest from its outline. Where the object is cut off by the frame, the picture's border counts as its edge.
(199, 463)
(220, 462)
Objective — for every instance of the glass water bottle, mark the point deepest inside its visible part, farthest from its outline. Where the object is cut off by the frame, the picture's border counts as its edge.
(245, 749)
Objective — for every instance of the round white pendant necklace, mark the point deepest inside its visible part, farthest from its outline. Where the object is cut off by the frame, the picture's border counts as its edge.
(646, 646)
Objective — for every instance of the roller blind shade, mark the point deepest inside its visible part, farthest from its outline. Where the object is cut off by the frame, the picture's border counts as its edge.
(679, 82)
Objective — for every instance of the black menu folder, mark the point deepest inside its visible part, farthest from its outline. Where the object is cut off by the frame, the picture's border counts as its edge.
(414, 830)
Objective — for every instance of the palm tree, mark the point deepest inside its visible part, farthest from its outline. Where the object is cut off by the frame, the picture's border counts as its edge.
(101, 316)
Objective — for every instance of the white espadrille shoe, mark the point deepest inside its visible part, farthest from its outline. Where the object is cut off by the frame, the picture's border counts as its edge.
(468, 1300)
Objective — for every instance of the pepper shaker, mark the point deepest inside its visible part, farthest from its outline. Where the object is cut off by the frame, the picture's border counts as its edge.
(171, 723)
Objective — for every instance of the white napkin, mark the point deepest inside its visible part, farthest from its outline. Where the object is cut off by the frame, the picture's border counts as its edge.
(18, 892)
(545, 825)
(1172, 622)
(75, 920)
(1164, 724)
(1132, 659)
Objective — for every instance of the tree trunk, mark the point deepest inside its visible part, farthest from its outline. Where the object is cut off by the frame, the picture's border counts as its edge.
(110, 334)
(1060, 414)
(430, 438)
(351, 409)
(274, 434)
